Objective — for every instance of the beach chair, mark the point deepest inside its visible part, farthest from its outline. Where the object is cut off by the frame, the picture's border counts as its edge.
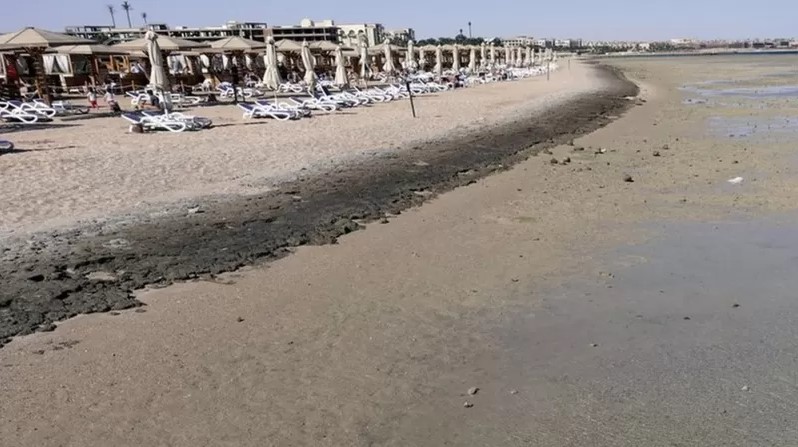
(304, 112)
(313, 104)
(152, 124)
(65, 108)
(288, 87)
(183, 100)
(6, 146)
(138, 98)
(41, 109)
(259, 111)
(15, 114)
(192, 122)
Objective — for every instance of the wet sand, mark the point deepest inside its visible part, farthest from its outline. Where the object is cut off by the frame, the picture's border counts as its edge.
(589, 310)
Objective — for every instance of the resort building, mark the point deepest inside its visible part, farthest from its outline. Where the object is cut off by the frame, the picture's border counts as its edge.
(519, 41)
(374, 32)
(109, 34)
(400, 36)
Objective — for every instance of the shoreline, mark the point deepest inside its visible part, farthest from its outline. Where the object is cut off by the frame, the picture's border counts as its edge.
(78, 272)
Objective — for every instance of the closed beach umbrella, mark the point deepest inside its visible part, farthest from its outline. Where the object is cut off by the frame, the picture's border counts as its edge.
(529, 60)
(456, 58)
(483, 55)
(422, 58)
(410, 59)
(271, 79)
(365, 69)
(388, 67)
(340, 70)
(158, 77)
(307, 61)
(507, 56)
(519, 57)
(439, 61)
(492, 54)
(472, 60)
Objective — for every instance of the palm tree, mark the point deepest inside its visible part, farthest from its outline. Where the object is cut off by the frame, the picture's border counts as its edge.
(144, 17)
(127, 7)
(112, 10)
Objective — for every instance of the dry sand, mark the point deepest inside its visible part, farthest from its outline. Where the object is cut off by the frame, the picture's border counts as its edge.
(94, 169)
(376, 341)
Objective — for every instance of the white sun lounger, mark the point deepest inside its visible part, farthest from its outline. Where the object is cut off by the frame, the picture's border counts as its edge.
(6, 145)
(15, 114)
(259, 111)
(149, 123)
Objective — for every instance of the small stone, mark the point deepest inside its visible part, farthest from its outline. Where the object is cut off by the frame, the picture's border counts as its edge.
(687, 318)
(735, 162)
(571, 143)
(114, 314)
(628, 178)
(195, 210)
(656, 153)
(468, 404)
(384, 220)
(240, 320)
(566, 160)
(473, 390)
(140, 310)
(579, 149)
(594, 345)
(601, 150)
(554, 161)
(735, 305)
(665, 147)
(513, 392)
(746, 388)
(50, 327)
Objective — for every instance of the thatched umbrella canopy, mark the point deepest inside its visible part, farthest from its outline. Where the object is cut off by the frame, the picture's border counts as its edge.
(238, 44)
(288, 46)
(35, 42)
(167, 44)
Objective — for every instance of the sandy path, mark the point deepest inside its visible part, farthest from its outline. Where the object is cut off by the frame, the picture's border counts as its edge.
(375, 341)
(95, 170)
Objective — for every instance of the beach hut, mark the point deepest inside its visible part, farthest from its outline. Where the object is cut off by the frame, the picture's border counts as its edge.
(36, 42)
(92, 54)
(167, 45)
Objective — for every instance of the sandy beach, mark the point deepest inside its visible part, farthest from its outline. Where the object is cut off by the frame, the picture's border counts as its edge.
(553, 287)
(94, 169)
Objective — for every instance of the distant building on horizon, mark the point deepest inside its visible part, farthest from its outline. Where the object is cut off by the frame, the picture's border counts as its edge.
(307, 30)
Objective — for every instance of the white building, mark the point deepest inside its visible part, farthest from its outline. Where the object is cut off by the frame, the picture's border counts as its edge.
(401, 35)
(518, 41)
(375, 34)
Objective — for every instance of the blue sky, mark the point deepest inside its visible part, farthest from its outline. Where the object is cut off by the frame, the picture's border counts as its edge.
(589, 19)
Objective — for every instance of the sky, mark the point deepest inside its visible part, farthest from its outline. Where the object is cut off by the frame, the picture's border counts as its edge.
(587, 19)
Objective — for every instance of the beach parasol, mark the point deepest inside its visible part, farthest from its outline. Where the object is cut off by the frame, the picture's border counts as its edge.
(483, 55)
(307, 61)
(422, 58)
(410, 59)
(288, 46)
(158, 79)
(492, 54)
(238, 44)
(472, 60)
(507, 56)
(439, 61)
(388, 67)
(165, 43)
(363, 44)
(528, 60)
(519, 57)
(271, 78)
(340, 71)
(456, 58)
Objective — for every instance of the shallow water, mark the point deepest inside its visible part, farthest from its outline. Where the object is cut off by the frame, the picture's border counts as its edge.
(695, 330)
(742, 127)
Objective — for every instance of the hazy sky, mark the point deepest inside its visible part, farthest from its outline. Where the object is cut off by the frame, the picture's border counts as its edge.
(589, 19)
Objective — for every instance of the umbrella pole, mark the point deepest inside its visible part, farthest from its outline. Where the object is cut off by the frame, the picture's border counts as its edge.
(95, 69)
(41, 79)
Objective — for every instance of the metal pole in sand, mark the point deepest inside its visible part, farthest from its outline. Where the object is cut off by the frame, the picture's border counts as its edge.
(412, 105)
